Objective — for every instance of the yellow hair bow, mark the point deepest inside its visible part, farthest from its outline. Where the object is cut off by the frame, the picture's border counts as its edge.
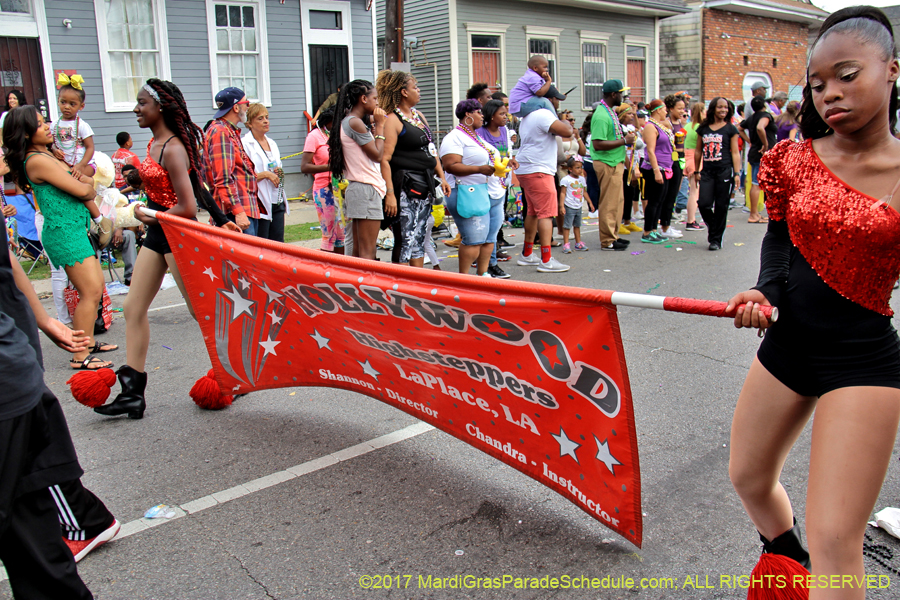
(75, 80)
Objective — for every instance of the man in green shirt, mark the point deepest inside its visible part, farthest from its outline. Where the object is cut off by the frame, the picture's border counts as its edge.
(608, 153)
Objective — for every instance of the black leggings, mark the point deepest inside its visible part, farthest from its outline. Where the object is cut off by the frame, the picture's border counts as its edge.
(668, 204)
(631, 194)
(715, 194)
(655, 194)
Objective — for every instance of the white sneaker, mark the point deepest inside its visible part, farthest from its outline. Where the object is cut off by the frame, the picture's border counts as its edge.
(552, 266)
(532, 260)
(672, 233)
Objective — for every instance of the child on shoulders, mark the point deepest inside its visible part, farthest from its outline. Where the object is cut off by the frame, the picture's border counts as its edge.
(531, 87)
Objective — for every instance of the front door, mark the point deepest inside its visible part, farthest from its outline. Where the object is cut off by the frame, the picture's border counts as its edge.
(329, 67)
(21, 69)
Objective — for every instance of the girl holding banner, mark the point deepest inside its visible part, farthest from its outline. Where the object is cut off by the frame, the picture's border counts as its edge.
(833, 348)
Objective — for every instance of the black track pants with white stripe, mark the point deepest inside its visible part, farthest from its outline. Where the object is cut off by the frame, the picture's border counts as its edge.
(82, 515)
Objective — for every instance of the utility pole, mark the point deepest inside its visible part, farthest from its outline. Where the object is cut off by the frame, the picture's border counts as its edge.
(393, 32)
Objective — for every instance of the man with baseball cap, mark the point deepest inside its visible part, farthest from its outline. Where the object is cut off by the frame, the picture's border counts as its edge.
(229, 171)
(759, 88)
(608, 143)
(537, 166)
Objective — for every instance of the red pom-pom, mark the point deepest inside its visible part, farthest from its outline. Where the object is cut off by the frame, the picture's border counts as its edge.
(206, 393)
(92, 388)
(778, 577)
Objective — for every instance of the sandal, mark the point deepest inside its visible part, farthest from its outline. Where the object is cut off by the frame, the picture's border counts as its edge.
(103, 347)
(86, 364)
(555, 244)
(760, 220)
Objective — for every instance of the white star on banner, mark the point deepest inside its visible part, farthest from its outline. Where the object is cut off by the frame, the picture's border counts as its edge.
(269, 347)
(241, 304)
(275, 318)
(209, 271)
(244, 283)
(604, 456)
(322, 341)
(233, 266)
(273, 296)
(368, 369)
(566, 446)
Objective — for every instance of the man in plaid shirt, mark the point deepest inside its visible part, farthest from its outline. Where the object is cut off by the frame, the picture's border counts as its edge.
(229, 171)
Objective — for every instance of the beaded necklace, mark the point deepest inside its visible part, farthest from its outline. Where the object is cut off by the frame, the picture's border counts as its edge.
(59, 140)
(279, 171)
(486, 147)
(617, 126)
(415, 121)
(669, 134)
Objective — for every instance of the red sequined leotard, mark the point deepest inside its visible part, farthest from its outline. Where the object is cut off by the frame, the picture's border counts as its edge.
(156, 180)
(829, 261)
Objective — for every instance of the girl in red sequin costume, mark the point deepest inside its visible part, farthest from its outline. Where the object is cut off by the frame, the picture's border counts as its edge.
(170, 176)
(829, 259)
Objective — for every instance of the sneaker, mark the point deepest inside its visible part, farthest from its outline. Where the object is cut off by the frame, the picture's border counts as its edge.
(626, 242)
(714, 246)
(695, 226)
(623, 230)
(567, 249)
(82, 548)
(552, 266)
(633, 227)
(637, 215)
(505, 244)
(496, 272)
(485, 274)
(502, 256)
(532, 260)
(581, 247)
(617, 245)
(652, 238)
(672, 233)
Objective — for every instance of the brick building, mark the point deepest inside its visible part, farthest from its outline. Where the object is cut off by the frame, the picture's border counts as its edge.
(722, 47)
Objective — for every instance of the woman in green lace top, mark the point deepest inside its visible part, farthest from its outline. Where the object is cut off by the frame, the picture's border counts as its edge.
(67, 204)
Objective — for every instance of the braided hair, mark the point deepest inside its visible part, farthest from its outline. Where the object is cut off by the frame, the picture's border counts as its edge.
(349, 97)
(390, 86)
(869, 25)
(177, 118)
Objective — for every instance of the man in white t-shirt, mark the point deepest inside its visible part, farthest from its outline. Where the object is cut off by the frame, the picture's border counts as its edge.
(537, 165)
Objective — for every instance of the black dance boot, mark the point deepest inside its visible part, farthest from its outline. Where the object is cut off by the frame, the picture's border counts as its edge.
(788, 544)
(131, 400)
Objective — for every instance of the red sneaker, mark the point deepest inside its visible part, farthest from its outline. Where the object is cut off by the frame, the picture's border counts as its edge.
(81, 548)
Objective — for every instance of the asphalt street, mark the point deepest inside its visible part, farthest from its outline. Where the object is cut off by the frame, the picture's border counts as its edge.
(407, 502)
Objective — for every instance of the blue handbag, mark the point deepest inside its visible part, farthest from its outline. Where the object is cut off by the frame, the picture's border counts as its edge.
(472, 200)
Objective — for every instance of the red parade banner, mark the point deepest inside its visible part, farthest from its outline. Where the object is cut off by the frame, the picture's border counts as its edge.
(533, 375)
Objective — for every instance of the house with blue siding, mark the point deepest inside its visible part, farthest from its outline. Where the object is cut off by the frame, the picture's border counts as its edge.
(452, 44)
(289, 55)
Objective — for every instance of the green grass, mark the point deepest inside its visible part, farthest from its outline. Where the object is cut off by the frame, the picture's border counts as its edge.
(301, 231)
(41, 271)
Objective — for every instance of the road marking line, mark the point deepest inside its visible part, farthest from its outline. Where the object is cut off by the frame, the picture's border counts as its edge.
(255, 485)
(165, 307)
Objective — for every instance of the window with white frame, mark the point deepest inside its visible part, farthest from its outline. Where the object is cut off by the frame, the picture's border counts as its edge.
(238, 48)
(133, 48)
(487, 54)
(544, 41)
(594, 52)
(16, 7)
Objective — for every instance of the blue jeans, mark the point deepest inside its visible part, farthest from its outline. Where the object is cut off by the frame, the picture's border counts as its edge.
(681, 199)
(496, 214)
(254, 225)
